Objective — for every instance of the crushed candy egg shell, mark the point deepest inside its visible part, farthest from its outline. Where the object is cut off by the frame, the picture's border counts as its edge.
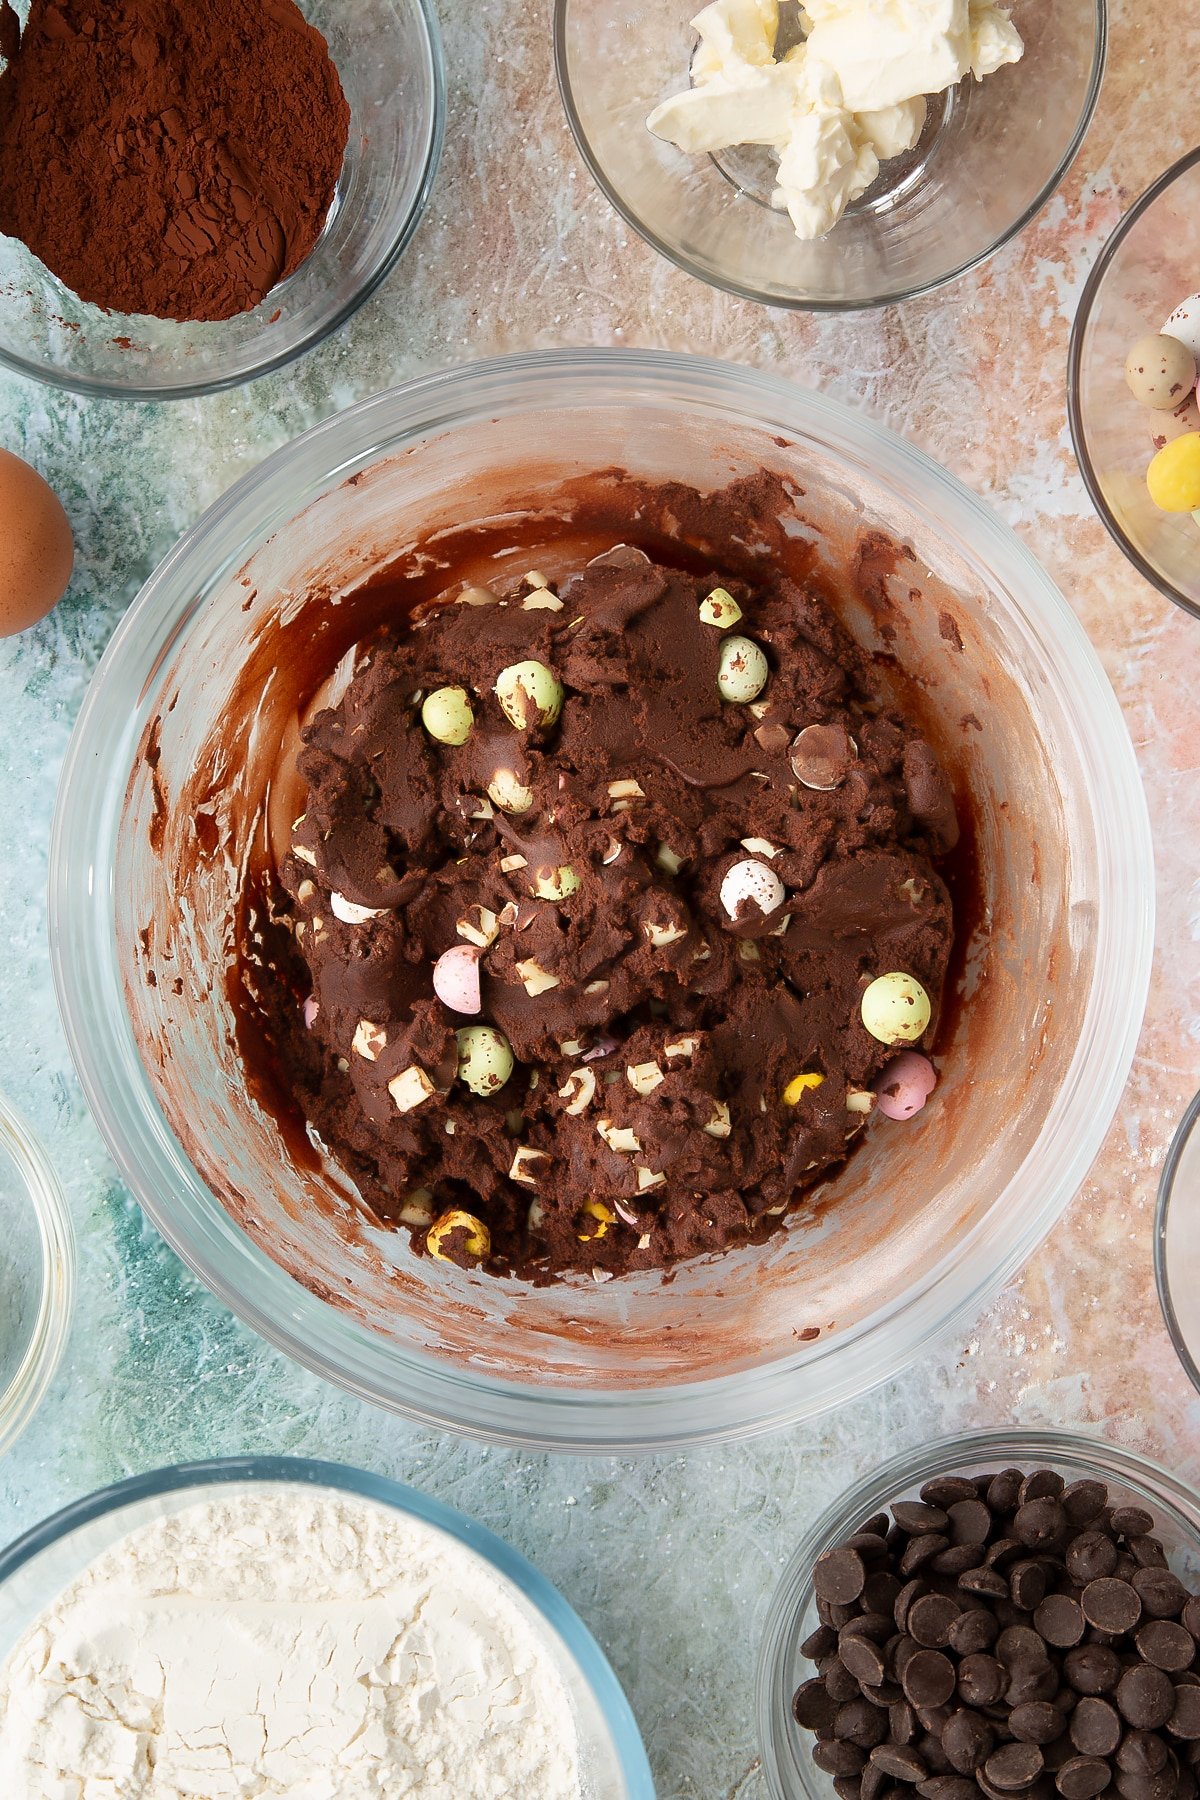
(754, 884)
(507, 791)
(1184, 324)
(822, 757)
(1174, 475)
(555, 884)
(895, 1008)
(456, 978)
(529, 694)
(905, 1085)
(485, 1058)
(477, 1239)
(720, 609)
(350, 912)
(311, 1008)
(447, 715)
(1161, 372)
(742, 671)
(800, 1085)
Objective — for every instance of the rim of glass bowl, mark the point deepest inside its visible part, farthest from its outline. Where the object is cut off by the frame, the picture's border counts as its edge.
(786, 1777)
(43, 1353)
(557, 1612)
(1162, 1276)
(53, 376)
(1083, 315)
(812, 1378)
(797, 303)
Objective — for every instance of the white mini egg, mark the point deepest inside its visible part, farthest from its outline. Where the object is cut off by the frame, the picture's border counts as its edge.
(1184, 324)
(1161, 372)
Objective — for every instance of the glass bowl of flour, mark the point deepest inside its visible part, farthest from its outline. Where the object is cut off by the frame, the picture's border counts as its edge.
(37, 1274)
(929, 191)
(290, 1627)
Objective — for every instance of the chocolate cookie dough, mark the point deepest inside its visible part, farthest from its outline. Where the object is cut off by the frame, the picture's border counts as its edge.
(588, 891)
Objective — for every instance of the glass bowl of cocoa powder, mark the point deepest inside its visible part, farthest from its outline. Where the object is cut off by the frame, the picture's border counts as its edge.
(225, 203)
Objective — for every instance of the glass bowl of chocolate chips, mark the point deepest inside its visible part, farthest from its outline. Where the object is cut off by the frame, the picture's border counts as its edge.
(1002, 1614)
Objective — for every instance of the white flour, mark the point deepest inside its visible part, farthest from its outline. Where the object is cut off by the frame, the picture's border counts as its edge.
(291, 1643)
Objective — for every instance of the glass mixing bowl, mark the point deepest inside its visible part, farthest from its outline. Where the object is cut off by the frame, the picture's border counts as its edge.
(991, 155)
(35, 1569)
(1149, 265)
(920, 1227)
(389, 57)
(1132, 1481)
(37, 1274)
(1177, 1241)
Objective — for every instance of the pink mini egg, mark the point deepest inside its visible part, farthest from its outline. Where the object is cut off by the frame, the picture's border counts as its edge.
(456, 979)
(905, 1086)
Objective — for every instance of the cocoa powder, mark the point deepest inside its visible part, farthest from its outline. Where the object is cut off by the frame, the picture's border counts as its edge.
(170, 157)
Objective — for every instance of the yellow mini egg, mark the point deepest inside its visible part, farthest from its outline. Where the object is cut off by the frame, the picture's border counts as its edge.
(1174, 476)
(36, 547)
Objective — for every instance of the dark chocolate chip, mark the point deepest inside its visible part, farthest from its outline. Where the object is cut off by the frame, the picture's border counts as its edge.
(1084, 1501)
(1166, 1645)
(837, 1758)
(864, 1659)
(1095, 1727)
(928, 1678)
(1147, 1787)
(920, 1550)
(984, 1581)
(1089, 1557)
(1190, 1618)
(878, 1525)
(819, 1643)
(917, 1518)
(981, 1680)
(1020, 1646)
(812, 1706)
(1083, 1778)
(885, 1695)
(1014, 1767)
(931, 1619)
(900, 1761)
(1043, 1484)
(1131, 1521)
(847, 1787)
(947, 1490)
(948, 1787)
(975, 1629)
(1146, 1697)
(1148, 1552)
(870, 1546)
(912, 1590)
(1036, 1722)
(874, 1782)
(861, 1723)
(881, 1591)
(902, 1723)
(1141, 1753)
(1027, 1583)
(970, 1522)
(876, 1625)
(1184, 1721)
(968, 1741)
(1032, 1681)
(1004, 1552)
(1092, 1669)
(1040, 1523)
(839, 1576)
(1111, 1605)
(958, 1559)
(1004, 1490)
(1163, 1595)
(1059, 1619)
(841, 1684)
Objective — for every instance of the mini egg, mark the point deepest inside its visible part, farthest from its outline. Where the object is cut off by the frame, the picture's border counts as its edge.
(36, 547)
(1165, 427)
(1174, 475)
(1161, 372)
(1184, 324)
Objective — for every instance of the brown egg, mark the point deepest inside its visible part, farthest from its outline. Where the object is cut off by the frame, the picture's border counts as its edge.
(36, 547)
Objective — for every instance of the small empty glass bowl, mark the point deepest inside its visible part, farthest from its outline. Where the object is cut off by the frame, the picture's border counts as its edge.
(37, 1274)
(1177, 1241)
(1132, 1480)
(389, 57)
(1150, 264)
(992, 154)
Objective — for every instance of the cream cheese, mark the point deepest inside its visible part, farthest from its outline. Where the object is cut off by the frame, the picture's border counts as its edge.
(852, 95)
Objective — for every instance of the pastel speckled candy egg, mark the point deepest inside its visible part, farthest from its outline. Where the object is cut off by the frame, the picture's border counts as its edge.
(895, 1008)
(456, 979)
(1165, 427)
(1174, 475)
(1161, 372)
(905, 1086)
(1184, 324)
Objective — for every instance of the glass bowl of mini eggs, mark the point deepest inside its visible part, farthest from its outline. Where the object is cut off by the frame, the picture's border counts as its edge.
(1135, 350)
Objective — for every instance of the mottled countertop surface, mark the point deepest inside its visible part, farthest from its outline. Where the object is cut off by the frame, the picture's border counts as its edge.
(669, 1559)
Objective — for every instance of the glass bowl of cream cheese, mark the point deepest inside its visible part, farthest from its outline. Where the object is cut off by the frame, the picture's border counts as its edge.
(842, 154)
